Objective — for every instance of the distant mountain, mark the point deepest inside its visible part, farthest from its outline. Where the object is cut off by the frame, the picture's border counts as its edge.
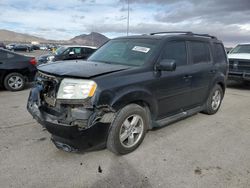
(11, 36)
(92, 39)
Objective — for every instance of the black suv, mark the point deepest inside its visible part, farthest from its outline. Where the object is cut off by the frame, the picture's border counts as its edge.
(128, 86)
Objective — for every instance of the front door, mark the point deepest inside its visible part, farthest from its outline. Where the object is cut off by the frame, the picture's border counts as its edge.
(173, 88)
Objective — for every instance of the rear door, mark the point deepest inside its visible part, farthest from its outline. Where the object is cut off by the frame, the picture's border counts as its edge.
(173, 89)
(3, 56)
(8, 61)
(202, 70)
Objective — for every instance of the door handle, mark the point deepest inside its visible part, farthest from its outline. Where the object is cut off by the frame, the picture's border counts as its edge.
(187, 76)
(1, 63)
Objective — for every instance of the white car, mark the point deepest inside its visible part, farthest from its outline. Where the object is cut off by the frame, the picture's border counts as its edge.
(239, 63)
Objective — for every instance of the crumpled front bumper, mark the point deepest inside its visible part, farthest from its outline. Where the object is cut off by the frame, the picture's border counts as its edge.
(94, 136)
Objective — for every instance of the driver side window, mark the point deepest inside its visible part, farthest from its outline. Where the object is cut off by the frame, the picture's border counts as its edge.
(175, 51)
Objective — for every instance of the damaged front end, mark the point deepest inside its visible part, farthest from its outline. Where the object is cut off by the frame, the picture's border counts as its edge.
(74, 124)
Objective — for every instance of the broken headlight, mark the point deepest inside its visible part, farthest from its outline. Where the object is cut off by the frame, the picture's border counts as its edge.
(76, 89)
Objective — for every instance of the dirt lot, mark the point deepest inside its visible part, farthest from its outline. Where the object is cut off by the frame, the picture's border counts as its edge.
(201, 151)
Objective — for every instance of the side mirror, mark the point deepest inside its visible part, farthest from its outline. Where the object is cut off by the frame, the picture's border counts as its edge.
(71, 53)
(166, 65)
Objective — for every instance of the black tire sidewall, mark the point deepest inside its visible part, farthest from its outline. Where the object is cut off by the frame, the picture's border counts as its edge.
(6, 85)
(209, 109)
(113, 142)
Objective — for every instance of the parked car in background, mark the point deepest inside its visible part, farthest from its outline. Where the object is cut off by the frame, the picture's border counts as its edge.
(35, 47)
(228, 49)
(21, 47)
(2, 45)
(16, 70)
(128, 86)
(10, 46)
(239, 63)
(43, 47)
(67, 53)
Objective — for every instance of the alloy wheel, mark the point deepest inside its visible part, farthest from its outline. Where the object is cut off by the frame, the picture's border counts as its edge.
(216, 99)
(15, 82)
(131, 131)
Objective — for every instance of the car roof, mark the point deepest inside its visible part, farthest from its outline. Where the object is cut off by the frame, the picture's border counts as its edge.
(171, 35)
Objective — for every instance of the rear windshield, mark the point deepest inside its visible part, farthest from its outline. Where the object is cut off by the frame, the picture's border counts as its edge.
(132, 52)
(241, 49)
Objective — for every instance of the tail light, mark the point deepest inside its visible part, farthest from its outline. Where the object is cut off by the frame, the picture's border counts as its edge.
(33, 61)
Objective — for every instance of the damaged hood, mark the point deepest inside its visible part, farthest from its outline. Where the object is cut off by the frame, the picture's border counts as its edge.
(79, 68)
(245, 56)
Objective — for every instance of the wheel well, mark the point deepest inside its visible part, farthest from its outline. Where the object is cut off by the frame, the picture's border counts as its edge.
(222, 85)
(148, 109)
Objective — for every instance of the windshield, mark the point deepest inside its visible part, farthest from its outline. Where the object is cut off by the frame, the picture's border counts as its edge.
(241, 49)
(132, 52)
(60, 50)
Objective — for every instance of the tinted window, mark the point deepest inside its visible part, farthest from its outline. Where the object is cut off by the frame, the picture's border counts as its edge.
(219, 53)
(176, 51)
(89, 50)
(60, 50)
(129, 51)
(66, 52)
(200, 52)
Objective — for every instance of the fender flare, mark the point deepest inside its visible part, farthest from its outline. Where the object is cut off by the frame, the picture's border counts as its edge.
(136, 96)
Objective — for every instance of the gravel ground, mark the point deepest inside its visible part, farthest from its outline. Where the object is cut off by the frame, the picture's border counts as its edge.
(200, 151)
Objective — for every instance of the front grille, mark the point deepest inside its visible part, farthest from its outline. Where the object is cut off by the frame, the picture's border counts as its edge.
(238, 65)
(45, 76)
(50, 85)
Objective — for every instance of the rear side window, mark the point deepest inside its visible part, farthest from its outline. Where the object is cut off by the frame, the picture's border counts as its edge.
(200, 52)
(87, 51)
(176, 51)
(219, 53)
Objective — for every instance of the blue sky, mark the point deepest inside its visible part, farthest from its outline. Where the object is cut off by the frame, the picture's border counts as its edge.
(64, 19)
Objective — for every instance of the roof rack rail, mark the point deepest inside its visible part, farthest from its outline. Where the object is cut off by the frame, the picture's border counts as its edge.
(205, 35)
(172, 32)
(185, 33)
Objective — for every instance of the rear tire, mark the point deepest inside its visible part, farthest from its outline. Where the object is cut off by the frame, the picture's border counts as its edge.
(14, 82)
(128, 129)
(214, 100)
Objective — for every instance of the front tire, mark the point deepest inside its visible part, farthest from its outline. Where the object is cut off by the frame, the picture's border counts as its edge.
(14, 82)
(214, 100)
(128, 129)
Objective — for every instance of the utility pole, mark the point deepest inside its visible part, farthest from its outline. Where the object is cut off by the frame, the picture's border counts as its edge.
(128, 20)
(92, 35)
